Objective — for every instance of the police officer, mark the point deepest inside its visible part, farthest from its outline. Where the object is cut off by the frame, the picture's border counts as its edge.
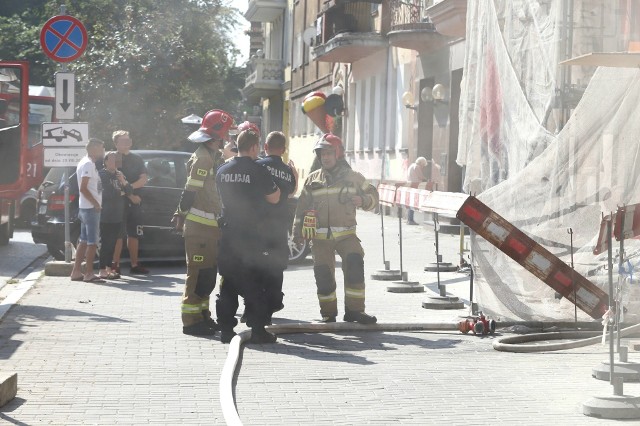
(245, 187)
(199, 210)
(326, 213)
(277, 216)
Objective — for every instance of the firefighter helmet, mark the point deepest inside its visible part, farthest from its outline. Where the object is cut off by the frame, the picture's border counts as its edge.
(247, 125)
(329, 140)
(215, 124)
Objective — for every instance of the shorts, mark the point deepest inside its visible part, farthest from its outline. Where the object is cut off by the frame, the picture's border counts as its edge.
(132, 221)
(89, 226)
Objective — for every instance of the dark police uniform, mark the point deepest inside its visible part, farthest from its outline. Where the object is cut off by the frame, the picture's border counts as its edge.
(277, 226)
(242, 254)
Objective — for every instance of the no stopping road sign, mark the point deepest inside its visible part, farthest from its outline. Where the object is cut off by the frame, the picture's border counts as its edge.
(63, 38)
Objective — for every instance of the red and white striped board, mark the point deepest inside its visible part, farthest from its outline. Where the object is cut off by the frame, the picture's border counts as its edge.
(411, 194)
(387, 193)
(533, 257)
(631, 215)
(603, 244)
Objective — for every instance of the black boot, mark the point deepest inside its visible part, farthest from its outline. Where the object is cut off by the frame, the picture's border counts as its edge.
(260, 335)
(210, 321)
(359, 317)
(198, 329)
(227, 335)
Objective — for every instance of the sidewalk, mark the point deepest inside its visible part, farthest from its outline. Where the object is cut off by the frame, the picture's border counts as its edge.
(115, 354)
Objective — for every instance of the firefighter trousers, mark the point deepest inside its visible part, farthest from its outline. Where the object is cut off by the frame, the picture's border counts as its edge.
(201, 247)
(324, 263)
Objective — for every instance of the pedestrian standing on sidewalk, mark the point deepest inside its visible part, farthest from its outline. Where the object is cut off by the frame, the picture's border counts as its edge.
(90, 204)
(326, 214)
(415, 174)
(197, 218)
(245, 187)
(276, 220)
(114, 189)
(134, 170)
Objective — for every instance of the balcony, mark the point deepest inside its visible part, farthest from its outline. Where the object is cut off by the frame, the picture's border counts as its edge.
(265, 79)
(411, 28)
(449, 17)
(348, 32)
(265, 10)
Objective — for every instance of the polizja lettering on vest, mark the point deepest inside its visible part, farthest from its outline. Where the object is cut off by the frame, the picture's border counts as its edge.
(235, 177)
(280, 174)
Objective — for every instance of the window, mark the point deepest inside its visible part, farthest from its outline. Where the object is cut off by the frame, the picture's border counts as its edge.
(161, 172)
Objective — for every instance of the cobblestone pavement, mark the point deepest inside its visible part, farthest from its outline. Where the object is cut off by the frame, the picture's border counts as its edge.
(114, 354)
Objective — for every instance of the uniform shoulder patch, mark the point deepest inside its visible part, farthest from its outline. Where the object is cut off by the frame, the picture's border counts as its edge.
(201, 172)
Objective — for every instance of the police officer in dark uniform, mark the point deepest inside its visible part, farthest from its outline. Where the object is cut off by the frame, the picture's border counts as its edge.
(277, 221)
(245, 188)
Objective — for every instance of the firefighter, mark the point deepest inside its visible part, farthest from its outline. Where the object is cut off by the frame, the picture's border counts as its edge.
(245, 188)
(326, 214)
(197, 217)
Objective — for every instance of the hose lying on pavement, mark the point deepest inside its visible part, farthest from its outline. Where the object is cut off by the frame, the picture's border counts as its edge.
(513, 343)
(506, 344)
(227, 400)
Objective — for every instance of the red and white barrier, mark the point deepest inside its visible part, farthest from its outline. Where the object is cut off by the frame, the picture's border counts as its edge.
(387, 193)
(533, 257)
(631, 227)
(410, 195)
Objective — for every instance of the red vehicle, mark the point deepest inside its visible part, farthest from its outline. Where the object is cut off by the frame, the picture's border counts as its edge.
(21, 151)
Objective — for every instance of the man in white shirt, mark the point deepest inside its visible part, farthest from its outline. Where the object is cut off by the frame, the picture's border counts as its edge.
(90, 204)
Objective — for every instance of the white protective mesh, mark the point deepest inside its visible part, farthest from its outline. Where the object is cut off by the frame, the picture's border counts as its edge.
(544, 183)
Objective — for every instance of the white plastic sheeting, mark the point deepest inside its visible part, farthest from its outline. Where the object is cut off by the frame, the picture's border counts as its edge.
(544, 183)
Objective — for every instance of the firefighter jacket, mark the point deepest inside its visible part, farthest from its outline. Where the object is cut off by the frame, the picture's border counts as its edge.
(329, 194)
(202, 167)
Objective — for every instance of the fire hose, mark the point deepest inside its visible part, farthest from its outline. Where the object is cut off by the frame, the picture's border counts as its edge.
(505, 344)
(585, 338)
(227, 402)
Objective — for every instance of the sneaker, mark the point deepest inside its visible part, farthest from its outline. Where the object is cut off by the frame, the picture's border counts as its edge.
(260, 335)
(139, 270)
(198, 329)
(360, 317)
(226, 336)
(328, 319)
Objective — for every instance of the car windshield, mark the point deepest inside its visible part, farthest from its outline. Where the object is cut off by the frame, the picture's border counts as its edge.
(54, 176)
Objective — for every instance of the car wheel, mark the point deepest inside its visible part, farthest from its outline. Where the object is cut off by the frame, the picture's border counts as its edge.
(56, 249)
(27, 213)
(298, 251)
(5, 234)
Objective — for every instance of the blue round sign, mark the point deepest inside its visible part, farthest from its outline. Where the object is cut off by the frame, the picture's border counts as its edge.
(63, 38)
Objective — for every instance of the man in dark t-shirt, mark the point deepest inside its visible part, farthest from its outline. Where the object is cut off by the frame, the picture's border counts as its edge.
(276, 217)
(134, 170)
(245, 187)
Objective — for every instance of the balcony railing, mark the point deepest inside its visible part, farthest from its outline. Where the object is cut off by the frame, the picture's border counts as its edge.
(411, 26)
(348, 32)
(265, 78)
(410, 15)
